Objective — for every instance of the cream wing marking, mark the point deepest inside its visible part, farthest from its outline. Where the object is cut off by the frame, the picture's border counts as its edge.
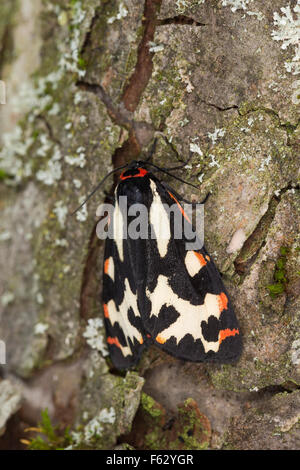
(126, 351)
(190, 316)
(120, 314)
(194, 262)
(160, 221)
(118, 230)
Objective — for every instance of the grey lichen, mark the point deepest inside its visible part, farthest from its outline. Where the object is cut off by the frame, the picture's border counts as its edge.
(10, 402)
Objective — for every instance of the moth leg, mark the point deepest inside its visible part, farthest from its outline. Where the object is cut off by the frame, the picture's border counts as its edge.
(178, 196)
(175, 151)
(179, 167)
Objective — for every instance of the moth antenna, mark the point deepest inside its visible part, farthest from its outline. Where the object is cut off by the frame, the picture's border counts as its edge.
(152, 150)
(170, 174)
(98, 187)
(179, 167)
(178, 196)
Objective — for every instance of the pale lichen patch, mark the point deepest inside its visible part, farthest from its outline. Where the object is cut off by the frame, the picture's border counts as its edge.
(122, 13)
(195, 148)
(10, 402)
(82, 214)
(217, 134)
(76, 160)
(7, 298)
(153, 47)
(61, 212)
(51, 173)
(288, 31)
(295, 352)
(40, 328)
(94, 335)
(296, 93)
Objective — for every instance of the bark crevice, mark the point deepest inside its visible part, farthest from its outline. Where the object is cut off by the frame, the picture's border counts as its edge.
(257, 240)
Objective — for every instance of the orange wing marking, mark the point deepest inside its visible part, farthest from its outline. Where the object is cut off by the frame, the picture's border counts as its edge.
(223, 334)
(160, 340)
(106, 314)
(201, 259)
(180, 208)
(112, 340)
(142, 172)
(223, 301)
(106, 266)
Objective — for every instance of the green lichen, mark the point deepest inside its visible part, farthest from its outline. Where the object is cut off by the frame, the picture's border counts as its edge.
(7, 52)
(189, 430)
(167, 97)
(224, 377)
(154, 440)
(280, 278)
(248, 107)
(3, 175)
(165, 90)
(254, 375)
(190, 421)
(150, 406)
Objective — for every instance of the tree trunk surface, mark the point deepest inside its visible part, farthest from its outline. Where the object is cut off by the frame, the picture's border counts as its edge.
(85, 87)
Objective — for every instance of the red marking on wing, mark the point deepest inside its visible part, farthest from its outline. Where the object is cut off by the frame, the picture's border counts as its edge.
(200, 258)
(106, 266)
(142, 172)
(207, 257)
(180, 208)
(106, 314)
(223, 301)
(114, 340)
(223, 334)
(148, 336)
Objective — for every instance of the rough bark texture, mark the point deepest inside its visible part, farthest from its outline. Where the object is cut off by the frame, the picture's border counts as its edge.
(89, 84)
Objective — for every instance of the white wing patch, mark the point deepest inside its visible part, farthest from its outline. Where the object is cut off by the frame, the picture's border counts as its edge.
(120, 314)
(190, 316)
(160, 222)
(118, 230)
(194, 262)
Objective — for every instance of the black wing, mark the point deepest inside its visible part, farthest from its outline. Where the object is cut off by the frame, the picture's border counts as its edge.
(185, 308)
(126, 337)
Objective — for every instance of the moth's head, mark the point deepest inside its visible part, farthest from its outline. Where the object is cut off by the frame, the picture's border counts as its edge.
(136, 164)
(134, 169)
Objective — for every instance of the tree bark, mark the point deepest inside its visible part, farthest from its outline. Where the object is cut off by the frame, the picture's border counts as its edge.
(89, 85)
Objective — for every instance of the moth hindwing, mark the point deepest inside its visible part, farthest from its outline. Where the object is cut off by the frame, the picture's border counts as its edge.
(155, 290)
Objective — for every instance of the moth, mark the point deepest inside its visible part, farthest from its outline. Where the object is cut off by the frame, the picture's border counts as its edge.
(158, 292)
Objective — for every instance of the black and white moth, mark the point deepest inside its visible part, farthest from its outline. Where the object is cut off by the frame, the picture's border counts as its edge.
(157, 292)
